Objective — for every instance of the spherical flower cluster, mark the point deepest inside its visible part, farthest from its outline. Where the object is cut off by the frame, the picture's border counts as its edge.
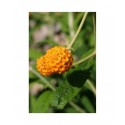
(57, 60)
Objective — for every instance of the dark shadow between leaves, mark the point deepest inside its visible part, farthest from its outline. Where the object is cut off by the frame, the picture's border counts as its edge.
(78, 78)
(32, 79)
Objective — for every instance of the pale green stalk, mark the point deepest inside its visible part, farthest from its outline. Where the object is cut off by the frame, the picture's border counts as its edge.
(91, 86)
(84, 59)
(42, 78)
(76, 107)
(78, 30)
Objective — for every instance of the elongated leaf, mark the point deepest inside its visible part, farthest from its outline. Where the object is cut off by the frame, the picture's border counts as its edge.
(43, 102)
(87, 104)
(32, 102)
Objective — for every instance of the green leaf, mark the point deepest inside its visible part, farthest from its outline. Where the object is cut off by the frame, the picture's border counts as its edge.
(87, 104)
(88, 63)
(69, 89)
(62, 95)
(78, 18)
(88, 53)
(32, 101)
(42, 104)
(32, 77)
(34, 54)
(71, 110)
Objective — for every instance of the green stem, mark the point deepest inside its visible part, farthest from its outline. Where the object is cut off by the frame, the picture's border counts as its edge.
(78, 30)
(84, 59)
(42, 78)
(76, 107)
(91, 86)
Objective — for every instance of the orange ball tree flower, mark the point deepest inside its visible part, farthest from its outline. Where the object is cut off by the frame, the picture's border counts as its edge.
(57, 60)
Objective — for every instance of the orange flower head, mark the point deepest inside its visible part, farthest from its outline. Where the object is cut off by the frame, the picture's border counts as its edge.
(57, 60)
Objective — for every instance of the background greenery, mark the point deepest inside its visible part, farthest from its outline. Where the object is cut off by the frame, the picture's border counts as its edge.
(74, 89)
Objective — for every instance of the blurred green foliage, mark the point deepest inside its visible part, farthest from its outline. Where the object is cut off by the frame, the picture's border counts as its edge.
(47, 30)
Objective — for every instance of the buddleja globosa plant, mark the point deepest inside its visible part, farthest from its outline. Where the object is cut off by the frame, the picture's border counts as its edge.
(58, 62)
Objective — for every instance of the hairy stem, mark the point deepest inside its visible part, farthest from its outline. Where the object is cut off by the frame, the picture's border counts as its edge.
(84, 59)
(78, 30)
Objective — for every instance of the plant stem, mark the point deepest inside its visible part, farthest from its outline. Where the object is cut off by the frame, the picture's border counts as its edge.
(76, 107)
(42, 78)
(78, 30)
(84, 59)
(53, 89)
(91, 86)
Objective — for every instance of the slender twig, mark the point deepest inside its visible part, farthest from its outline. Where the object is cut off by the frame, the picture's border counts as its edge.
(91, 86)
(84, 59)
(53, 89)
(78, 30)
(42, 78)
(76, 107)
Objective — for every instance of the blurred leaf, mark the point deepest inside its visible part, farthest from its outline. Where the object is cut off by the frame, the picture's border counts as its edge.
(78, 45)
(87, 104)
(88, 63)
(68, 90)
(78, 18)
(34, 54)
(41, 105)
(32, 101)
(31, 75)
(64, 23)
(71, 110)
(88, 53)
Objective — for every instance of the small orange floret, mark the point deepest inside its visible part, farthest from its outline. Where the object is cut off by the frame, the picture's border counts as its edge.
(57, 60)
